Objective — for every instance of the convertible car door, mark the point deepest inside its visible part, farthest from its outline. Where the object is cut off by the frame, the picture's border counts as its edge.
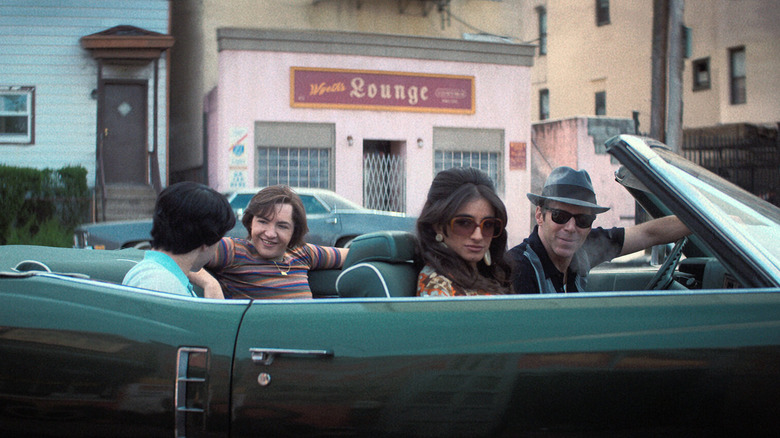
(84, 359)
(665, 363)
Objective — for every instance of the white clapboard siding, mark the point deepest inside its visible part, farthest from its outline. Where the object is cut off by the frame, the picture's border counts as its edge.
(39, 46)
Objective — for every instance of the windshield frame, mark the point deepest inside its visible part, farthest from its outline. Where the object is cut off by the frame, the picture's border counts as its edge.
(680, 184)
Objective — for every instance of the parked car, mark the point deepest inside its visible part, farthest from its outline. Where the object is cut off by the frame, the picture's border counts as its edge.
(332, 219)
(694, 351)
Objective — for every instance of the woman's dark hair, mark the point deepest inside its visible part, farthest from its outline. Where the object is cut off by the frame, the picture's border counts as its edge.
(450, 190)
(264, 204)
(188, 215)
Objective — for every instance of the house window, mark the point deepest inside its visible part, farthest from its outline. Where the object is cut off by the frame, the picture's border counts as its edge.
(602, 12)
(17, 114)
(737, 75)
(542, 12)
(544, 104)
(601, 103)
(296, 167)
(701, 74)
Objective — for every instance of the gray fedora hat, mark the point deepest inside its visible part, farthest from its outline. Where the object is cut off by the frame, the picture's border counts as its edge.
(569, 186)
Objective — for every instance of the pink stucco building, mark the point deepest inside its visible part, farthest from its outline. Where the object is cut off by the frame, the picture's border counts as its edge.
(372, 117)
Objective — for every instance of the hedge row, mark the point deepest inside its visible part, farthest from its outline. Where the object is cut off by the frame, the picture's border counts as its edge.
(38, 201)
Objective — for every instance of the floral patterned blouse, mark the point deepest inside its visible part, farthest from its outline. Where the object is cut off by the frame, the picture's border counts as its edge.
(432, 284)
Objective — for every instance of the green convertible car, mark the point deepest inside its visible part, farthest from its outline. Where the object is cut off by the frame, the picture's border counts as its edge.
(688, 349)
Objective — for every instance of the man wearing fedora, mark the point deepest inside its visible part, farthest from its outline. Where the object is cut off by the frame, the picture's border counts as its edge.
(562, 248)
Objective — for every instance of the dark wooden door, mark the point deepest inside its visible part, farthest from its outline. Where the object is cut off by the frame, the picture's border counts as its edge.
(125, 131)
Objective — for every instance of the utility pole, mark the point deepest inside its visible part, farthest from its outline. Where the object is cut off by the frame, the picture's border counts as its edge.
(658, 81)
(667, 66)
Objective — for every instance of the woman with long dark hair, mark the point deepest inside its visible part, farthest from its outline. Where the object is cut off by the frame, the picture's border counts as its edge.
(461, 236)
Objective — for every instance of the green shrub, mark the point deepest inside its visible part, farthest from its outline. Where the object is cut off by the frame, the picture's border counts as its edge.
(33, 200)
(49, 233)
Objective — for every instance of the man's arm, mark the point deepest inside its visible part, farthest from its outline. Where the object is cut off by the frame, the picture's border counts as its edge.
(655, 232)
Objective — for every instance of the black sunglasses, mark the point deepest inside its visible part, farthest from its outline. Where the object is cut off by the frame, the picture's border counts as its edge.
(465, 226)
(562, 217)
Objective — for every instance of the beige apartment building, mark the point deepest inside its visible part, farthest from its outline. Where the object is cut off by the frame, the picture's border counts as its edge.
(593, 56)
(597, 60)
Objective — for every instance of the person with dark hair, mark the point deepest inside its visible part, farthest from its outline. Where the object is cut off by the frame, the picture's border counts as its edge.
(461, 237)
(273, 261)
(189, 219)
(563, 248)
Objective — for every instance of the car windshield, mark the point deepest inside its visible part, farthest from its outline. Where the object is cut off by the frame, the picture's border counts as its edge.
(241, 200)
(338, 203)
(731, 206)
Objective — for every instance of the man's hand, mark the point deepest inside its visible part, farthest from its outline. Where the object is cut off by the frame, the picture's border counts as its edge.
(210, 285)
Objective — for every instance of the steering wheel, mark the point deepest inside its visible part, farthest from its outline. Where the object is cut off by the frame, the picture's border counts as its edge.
(665, 275)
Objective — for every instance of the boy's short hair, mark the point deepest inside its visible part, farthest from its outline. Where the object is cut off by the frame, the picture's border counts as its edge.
(188, 215)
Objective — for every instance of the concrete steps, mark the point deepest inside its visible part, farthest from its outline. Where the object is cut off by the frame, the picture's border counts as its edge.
(127, 202)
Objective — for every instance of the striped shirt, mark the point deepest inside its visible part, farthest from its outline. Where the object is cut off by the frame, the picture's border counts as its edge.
(243, 273)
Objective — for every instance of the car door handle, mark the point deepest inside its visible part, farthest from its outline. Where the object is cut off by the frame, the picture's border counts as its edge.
(265, 356)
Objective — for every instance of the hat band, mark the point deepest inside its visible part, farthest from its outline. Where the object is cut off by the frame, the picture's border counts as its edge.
(569, 191)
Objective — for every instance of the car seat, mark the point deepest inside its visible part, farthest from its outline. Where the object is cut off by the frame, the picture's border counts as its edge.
(379, 264)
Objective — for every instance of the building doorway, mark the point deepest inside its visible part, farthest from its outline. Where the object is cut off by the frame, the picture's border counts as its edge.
(124, 135)
(384, 175)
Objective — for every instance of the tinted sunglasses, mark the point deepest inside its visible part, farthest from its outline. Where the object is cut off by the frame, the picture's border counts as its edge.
(561, 217)
(464, 226)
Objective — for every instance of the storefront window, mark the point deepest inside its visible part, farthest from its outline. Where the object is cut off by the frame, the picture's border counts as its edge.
(296, 167)
(484, 161)
(469, 147)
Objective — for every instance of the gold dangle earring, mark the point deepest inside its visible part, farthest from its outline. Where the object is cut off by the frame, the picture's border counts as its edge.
(439, 237)
(487, 258)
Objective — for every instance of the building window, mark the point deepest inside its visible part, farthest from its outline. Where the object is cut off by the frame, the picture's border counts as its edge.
(737, 75)
(294, 153)
(296, 167)
(602, 12)
(542, 12)
(468, 147)
(544, 104)
(484, 161)
(701, 74)
(601, 103)
(17, 114)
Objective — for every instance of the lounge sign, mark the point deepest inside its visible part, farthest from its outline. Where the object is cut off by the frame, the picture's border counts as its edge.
(380, 90)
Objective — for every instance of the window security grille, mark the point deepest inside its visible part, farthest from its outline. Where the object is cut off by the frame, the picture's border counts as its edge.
(384, 182)
(296, 167)
(487, 162)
